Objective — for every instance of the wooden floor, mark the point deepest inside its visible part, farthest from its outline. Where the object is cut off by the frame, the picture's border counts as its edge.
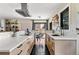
(40, 48)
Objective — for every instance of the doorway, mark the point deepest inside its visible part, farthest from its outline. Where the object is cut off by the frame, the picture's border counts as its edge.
(41, 24)
(40, 27)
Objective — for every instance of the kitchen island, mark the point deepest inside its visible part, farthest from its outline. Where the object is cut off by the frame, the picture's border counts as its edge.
(19, 45)
(61, 45)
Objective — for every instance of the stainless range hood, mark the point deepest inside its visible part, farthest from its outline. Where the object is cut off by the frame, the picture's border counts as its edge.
(24, 10)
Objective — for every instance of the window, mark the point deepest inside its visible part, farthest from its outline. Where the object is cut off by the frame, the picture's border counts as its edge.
(64, 19)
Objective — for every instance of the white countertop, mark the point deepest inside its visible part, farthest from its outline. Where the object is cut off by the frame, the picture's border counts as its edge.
(62, 37)
(10, 43)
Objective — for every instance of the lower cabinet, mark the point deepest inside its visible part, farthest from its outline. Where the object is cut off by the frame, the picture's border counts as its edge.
(51, 45)
(16, 51)
(23, 49)
(61, 47)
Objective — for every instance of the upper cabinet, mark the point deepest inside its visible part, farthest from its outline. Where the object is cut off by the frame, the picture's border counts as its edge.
(64, 19)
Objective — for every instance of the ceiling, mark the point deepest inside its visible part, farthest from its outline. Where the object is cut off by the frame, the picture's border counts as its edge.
(36, 10)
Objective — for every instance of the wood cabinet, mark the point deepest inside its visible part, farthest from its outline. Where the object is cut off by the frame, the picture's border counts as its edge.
(50, 44)
(24, 49)
(16, 51)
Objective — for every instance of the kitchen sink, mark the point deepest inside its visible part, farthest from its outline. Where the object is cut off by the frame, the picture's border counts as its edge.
(55, 35)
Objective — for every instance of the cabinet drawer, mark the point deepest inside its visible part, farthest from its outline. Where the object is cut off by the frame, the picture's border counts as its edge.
(16, 51)
(26, 47)
(30, 47)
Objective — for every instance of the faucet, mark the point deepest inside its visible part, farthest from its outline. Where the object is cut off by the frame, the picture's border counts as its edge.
(14, 34)
(27, 32)
(57, 28)
(62, 32)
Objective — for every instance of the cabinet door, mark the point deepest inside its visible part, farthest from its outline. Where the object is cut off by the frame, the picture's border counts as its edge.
(26, 48)
(51, 46)
(16, 51)
(65, 47)
(31, 47)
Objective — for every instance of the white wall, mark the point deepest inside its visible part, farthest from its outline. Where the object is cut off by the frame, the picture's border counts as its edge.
(77, 23)
(57, 10)
(77, 14)
(24, 24)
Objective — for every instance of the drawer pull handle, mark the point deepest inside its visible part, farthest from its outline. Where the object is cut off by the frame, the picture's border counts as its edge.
(19, 46)
(19, 52)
